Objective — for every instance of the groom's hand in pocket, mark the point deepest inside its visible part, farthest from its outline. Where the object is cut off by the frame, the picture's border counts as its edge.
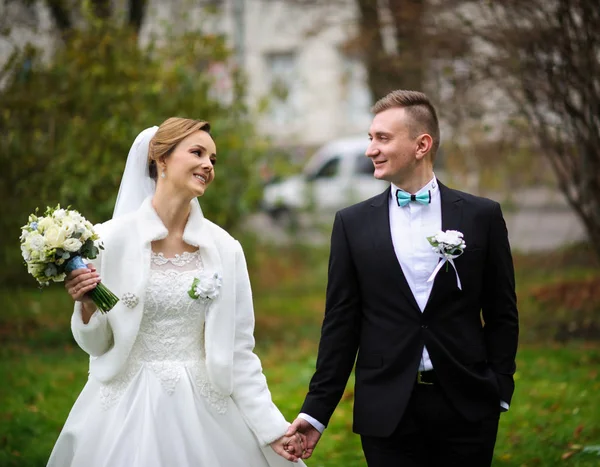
(309, 433)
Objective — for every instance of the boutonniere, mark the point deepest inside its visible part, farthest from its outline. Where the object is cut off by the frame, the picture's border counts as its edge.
(448, 245)
(205, 287)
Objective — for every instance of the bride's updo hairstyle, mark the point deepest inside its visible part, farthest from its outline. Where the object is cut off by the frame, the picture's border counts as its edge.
(169, 134)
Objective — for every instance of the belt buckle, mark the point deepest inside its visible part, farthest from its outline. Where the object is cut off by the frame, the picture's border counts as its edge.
(420, 379)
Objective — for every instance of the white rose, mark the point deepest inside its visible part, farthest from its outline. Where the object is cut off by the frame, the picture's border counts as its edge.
(454, 237)
(87, 231)
(59, 214)
(69, 226)
(34, 242)
(86, 235)
(453, 241)
(72, 245)
(44, 223)
(440, 237)
(55, 237)
(208, 287)
(76, 217)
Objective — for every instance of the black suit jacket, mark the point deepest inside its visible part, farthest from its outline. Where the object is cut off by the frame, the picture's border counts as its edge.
(370, 310)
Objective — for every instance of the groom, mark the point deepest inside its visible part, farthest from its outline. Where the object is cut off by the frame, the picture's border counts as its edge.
(436, 357)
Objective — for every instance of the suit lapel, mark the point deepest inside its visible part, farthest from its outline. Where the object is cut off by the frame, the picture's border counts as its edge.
(451, 208)
(382, 238)
(451, 220)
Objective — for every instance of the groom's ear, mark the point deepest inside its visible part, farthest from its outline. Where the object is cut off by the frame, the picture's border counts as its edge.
(424, 144)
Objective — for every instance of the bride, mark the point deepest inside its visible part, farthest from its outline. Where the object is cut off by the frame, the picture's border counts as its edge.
(173, 377)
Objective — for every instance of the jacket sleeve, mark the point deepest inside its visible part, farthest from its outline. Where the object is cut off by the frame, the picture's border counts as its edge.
(95, 337)
(499, 307)
(250, 391)
(340, 332)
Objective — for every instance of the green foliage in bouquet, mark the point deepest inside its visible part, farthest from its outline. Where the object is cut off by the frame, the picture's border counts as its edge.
(66, 126)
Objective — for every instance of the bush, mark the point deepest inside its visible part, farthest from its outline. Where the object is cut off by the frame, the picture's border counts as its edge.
(66, 127)
(571, 308)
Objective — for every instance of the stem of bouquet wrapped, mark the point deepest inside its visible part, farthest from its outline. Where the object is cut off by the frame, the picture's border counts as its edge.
(104, 299)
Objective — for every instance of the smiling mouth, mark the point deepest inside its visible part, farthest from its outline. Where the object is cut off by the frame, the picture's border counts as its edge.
(202, 178)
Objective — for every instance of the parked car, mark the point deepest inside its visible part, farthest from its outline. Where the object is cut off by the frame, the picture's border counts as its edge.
(337, 175)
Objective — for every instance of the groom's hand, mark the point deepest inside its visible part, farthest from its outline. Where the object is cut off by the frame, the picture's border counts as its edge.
(311, 435)
(289, 447)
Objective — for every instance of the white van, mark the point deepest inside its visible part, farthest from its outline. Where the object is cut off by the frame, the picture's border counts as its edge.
(337, 175)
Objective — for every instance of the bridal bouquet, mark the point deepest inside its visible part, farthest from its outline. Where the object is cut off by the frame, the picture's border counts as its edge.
(55, 244)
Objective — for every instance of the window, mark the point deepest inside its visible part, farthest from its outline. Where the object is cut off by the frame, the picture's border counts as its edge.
(329, 170)
(364, 165)
(283, 90)
(355, 92)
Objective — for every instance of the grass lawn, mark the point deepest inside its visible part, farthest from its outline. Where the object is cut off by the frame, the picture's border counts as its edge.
(554, 417)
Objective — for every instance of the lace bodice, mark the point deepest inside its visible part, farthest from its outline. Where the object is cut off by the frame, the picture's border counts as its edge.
(170, 339)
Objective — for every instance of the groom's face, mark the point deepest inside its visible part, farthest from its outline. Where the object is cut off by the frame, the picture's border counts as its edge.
(392, 150)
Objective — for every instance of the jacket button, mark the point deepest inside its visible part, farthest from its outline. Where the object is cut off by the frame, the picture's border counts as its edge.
(424, 326)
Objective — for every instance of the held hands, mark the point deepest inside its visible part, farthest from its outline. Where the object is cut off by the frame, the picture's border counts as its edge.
(290, 447)
(309, 433)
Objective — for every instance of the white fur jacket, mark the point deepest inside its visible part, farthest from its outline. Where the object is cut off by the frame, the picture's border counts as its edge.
(233, 368)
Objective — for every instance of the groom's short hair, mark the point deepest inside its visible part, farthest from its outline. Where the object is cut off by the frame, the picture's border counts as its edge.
(420, 110)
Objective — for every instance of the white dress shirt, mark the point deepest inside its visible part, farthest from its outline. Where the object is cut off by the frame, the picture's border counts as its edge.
(410, 226)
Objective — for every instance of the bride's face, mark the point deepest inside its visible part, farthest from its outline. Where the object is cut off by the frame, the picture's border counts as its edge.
(190, 168)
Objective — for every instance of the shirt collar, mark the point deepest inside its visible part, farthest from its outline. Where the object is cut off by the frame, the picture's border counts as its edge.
(433, 186)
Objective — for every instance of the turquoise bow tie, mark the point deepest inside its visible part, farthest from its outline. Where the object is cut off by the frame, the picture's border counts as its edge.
(404, 198)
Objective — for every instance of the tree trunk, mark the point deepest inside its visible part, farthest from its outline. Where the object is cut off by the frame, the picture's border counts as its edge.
(137, 10)
(102, 8)
(373, 53)
(60, 15)
(408, 16)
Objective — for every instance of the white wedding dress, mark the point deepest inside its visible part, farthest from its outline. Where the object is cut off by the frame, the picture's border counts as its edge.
(161, 411)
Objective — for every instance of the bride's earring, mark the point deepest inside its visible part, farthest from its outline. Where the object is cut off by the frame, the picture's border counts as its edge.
(162, 174)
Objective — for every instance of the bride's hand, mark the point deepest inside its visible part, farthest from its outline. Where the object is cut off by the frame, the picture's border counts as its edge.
(78, 283)
(81, 281)
(289, 447)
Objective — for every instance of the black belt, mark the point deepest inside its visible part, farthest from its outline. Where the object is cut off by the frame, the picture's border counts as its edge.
(427, 378)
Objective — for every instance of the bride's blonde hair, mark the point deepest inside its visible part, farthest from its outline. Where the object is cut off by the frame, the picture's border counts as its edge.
(169, 134)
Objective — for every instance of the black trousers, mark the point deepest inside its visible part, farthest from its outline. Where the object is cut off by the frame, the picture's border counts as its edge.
(433, 434)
